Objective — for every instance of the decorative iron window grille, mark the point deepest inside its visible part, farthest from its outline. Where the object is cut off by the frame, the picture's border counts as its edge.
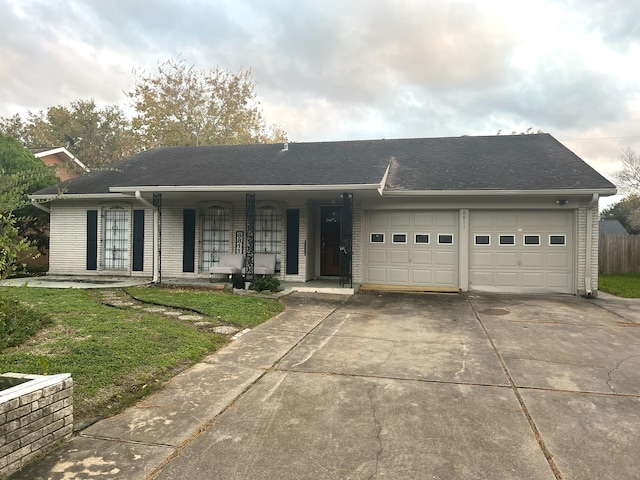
(214, 239)
(268, 232)
(116, 239)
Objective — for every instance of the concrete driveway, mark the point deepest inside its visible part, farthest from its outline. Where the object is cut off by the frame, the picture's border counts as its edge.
(399, 386)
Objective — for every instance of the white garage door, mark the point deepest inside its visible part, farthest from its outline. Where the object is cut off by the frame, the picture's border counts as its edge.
(411, 248)
(521, 251)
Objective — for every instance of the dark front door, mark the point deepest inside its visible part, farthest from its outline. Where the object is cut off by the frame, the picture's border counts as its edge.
(331, 218)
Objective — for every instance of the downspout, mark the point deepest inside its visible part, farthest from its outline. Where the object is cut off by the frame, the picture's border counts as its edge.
(156, 221)
(589, 245)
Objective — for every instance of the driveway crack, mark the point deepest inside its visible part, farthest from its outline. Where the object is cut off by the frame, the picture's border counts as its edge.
(613, 370)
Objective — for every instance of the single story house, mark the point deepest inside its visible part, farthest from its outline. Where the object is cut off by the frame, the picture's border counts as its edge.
(516, 213)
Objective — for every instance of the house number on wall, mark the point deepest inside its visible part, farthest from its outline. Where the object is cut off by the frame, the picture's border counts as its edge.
(239, 242)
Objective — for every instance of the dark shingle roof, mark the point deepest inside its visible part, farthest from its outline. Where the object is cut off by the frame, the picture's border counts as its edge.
(512, 162)
(612, 227)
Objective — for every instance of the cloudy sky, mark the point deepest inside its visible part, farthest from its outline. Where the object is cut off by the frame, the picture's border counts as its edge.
(353, 69)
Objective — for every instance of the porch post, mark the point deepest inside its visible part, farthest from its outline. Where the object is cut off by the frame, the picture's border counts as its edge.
(157, 203)
(346, 241)
(250, 246)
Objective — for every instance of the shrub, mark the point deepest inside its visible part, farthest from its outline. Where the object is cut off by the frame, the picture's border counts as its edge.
(268, 282)
(18, 323)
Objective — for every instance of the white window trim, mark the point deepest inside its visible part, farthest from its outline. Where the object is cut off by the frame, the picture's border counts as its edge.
(506, 244)
(563, 244)
(393, 240)
(428, 242)
(453, 239)
(376, 233)
(475, 239)
(525, 244)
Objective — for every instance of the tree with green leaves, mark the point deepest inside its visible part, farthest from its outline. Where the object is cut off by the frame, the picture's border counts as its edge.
(181, 105)
(22, 227)
(97, 136)
(626, 211)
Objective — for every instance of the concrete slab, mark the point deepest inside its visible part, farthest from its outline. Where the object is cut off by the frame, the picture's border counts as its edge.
(591, 436)
(174, 414)
(294, 425)
(82, 458)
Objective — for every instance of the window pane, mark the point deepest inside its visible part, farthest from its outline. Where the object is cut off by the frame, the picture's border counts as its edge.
(377, 238)
(532, 239)
(445, 239)
(507, 240)
(483, 240)
(399, 238)
(557, 239)
(422, 238)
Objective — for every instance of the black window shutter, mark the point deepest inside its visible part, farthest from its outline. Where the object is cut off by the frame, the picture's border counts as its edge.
(189, 241)
(92, 239)
(293, 237)
(138, 240)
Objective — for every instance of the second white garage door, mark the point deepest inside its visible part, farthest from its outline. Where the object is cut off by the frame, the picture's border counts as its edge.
(411, 248)
(521, 251)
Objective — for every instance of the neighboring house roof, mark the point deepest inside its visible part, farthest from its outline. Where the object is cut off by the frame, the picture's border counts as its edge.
(612, 227)
(67, 164)
(497, 164)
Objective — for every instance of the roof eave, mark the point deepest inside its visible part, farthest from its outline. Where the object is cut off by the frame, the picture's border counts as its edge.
(245, 188)
(70, 196)
(603, 192)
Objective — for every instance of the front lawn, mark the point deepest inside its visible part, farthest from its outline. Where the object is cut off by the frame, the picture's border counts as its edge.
(118, 355)
(627, 286)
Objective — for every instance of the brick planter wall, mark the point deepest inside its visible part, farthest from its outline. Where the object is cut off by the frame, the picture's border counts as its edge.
(34, 417)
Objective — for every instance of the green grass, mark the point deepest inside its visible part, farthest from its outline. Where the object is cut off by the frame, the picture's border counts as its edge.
(243, 311)
(118, 355)
(627, 286)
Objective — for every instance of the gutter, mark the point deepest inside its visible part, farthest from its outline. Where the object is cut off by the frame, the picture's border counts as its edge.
(468, 193)
(156, 243)
(246, 188)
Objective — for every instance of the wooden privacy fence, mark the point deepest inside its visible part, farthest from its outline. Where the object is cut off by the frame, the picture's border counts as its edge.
(619, 254)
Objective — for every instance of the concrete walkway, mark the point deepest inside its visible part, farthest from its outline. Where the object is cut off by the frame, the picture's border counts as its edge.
(391, 386)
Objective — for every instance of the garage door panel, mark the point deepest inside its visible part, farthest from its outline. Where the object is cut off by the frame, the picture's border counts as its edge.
(423, 219)
(399, 275)
(558, 260)
(506, 259)
(506, 279)
(532, 259)
(422, 277)
(378, 219)
(399, 256)
(481, 259)
(399, 219)
(445, 258)
(558, 280)
(377, 257)
(481, 278)
(444, 277)
(422, 257)
(377, 275)
(532, 279)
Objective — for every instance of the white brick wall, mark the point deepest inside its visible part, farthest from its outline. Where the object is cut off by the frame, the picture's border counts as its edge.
(34, 421)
